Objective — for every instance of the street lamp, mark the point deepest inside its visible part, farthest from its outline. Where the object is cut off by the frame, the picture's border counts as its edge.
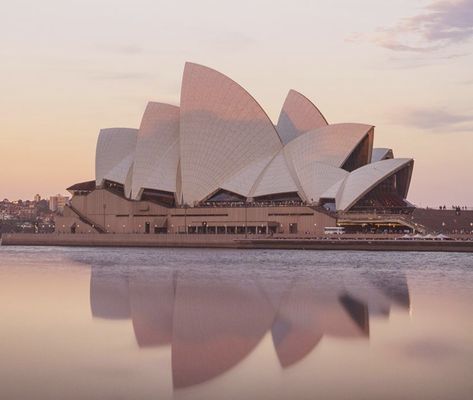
(246, 218)
(185, 217)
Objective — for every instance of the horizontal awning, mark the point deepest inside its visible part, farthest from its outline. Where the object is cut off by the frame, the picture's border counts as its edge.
(82, 186)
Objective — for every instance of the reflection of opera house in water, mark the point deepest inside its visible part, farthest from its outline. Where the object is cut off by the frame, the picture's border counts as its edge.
(213, 322)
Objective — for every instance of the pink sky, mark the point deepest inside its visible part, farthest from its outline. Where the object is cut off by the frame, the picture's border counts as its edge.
(70, 69)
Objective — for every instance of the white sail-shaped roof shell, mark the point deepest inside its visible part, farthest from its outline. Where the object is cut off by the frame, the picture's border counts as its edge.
(332, 191)
(316, 178)
(275, 178)
(243, 181)
(114, 154)
(298, 115)
(362, 180)
(381, 153)
(330, 145)
(316, 156)
(220, 138)
(157, 150)
(222, 130)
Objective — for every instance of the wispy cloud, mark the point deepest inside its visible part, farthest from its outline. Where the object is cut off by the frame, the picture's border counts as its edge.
(401, 61)
(436, 120)
(439, 25)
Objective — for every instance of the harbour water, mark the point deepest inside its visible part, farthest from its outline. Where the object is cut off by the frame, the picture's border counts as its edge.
(125, 323)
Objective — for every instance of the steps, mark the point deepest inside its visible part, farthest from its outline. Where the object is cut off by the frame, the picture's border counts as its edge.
(86, 220)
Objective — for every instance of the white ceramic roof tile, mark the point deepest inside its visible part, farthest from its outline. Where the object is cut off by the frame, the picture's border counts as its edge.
(222, 130)
(157, 149)
(120, 172)
(275, 178)
(298, 115)
(222, 138)
(362, 180)
(316, 178)
(331, 144)
(114, 154)
(379, 154)
(242, 181)
(331, 192)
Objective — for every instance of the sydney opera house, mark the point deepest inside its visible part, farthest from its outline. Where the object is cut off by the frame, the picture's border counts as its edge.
(217, 164)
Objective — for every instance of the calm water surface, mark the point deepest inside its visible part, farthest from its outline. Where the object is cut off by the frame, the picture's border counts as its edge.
(227, 324)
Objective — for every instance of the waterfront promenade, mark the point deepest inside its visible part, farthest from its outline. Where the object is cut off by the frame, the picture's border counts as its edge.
(365, 242)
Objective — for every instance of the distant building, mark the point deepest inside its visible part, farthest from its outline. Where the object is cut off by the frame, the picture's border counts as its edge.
(58, 202)
(37, 198)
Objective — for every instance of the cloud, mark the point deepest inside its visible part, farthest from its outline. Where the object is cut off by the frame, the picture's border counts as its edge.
(440, 25)
(436, 120)
(400, 61)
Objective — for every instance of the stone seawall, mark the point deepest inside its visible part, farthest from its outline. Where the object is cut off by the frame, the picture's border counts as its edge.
(366, 243)
(360, 245)
(121, 240)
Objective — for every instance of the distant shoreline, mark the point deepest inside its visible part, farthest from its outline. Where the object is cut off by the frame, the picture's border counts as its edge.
(462, 243)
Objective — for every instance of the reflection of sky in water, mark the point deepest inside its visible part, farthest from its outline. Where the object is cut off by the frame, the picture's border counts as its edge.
(141, 323)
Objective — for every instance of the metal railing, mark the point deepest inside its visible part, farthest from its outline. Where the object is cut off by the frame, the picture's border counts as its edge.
(86, 220)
